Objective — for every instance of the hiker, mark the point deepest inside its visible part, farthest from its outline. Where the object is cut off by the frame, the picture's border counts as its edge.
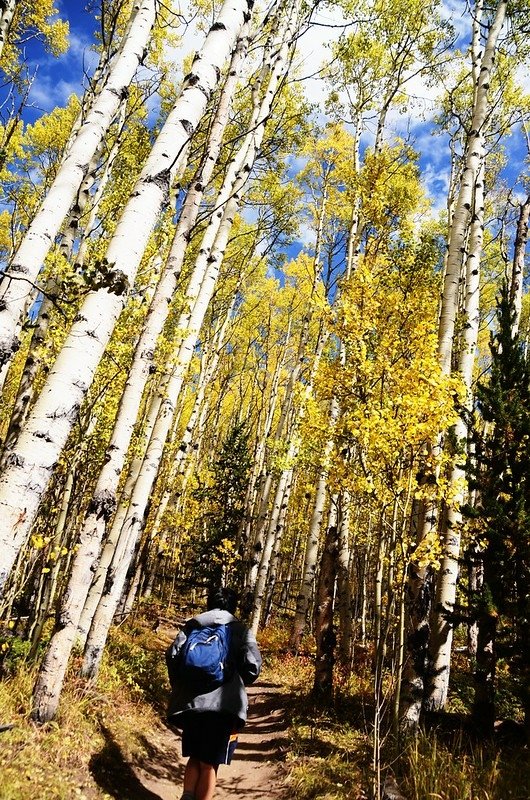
(210, 662)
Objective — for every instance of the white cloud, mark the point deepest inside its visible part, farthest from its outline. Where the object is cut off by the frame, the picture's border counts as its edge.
(313, 52)
(47, 93)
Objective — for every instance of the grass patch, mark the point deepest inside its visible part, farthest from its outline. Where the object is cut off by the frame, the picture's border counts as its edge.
(100, 729)
(462, 770)
(330, 756)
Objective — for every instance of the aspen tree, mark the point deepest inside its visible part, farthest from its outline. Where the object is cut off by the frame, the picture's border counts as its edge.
(132, 525)
(344, 590)
(267, 479)
(323, 613)
(517, 276)
(49, 683)
(267, 476)
(208, 264)
(283, 489)
(281, 500)
(441, 630)
(26, 389)
(260, 452)
(104, 501)
(72, 374)
(473, 158)
(116, 532)
(134, 517)
(26, 264)
(275, 557)
(313, 538)
(6, 18)
(171, 480)
(22, 21)
(193, 427)
(333, 145)
(470, 185)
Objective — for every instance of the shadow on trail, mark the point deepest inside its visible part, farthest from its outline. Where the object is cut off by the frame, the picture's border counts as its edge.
(161, 764)
(115, 775)
(267, 751)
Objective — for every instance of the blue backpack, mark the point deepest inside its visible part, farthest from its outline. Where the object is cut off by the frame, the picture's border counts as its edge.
(205, 656)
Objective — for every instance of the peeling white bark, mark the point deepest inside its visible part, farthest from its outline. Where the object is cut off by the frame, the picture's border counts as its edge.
(463, 207)
(442, 628)
(208, 265)
(467, 222)
(517, 276)
(31, 464)
(313, 539)
(6, 18)
(274, 530)
(25, 267)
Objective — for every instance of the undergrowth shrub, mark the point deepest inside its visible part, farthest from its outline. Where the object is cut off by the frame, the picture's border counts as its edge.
(100, 729)
(134, 657)
(459, 769)
(330, 756)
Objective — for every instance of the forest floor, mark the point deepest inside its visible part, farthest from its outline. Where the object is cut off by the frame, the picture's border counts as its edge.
(256, 771)
(110, 740)
(155, 770)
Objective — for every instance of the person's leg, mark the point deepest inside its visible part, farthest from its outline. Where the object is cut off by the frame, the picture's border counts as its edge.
(206, 784)
(191, 778)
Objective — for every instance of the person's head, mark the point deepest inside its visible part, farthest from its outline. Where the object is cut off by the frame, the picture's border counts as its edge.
(223, 598)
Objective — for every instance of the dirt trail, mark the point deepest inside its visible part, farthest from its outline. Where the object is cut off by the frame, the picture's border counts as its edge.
(256, 772)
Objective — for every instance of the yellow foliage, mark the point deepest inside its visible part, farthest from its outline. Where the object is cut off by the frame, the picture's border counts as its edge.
(393, 396)
(33, 19)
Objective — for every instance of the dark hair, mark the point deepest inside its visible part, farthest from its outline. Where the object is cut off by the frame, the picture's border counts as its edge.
(223, 598)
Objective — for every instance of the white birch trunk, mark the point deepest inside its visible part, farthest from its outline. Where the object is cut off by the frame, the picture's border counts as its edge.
(6, 18)
(275, 559)
(97, 585)
(442, 628)
(144, 485)
(210, 257)
(97, 81)
(178, 464)
(57, 544)
(133, 523)
(108, 603)
(482, 67)
(460, 224)
(251, 500)
(104, 501)
(310, 562)
(92, 218)
(26, 388)
(130, 516)
(344, 592)
(517, 276)
(281, 497)
(262, 516)
(313, 539)
(262, 519)
(27, 262)
(70, 230)
(469, 201)
(55, 412)
(81, 581)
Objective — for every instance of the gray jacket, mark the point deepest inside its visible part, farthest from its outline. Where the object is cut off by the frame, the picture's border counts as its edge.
(231, 697)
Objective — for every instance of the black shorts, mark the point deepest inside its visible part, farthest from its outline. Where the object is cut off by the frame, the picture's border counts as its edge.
(209, 736)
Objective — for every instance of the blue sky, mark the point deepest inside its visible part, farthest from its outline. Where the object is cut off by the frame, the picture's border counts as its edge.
(56, 79)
